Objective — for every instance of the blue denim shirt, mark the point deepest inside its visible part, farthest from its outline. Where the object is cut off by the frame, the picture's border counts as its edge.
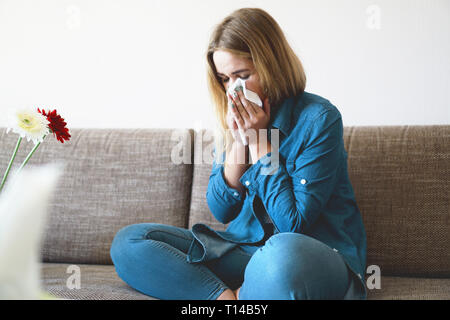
(309, 193)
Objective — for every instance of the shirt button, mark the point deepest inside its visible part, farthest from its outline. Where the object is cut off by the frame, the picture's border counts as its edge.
(236, 194)
(303, 181)
(247, 183)
(359, 275)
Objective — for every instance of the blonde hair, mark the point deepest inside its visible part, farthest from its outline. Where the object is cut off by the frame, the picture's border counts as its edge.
(253, 34)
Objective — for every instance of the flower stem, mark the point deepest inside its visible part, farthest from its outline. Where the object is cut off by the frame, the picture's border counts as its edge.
(10, 163)
(30, 154)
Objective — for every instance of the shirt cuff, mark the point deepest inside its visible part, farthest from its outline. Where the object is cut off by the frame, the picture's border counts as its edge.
(255, 174)
(225, 188)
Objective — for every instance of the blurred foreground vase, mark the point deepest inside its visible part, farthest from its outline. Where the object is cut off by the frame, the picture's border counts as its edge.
(23, 211)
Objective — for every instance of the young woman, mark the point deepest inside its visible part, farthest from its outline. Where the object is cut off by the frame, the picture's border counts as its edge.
(295, 230)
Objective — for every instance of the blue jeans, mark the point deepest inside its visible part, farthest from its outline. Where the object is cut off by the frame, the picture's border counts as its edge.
(151, 258)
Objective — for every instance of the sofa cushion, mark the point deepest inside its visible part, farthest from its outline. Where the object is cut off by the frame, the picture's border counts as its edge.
(407, 288)
(400, 176)
(199, 211)
(102, 282)
(97, 282)
(112, 178)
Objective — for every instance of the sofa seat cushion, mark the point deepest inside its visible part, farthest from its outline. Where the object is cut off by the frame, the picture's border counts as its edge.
(97, 282)
(100, 282)
(409, 288)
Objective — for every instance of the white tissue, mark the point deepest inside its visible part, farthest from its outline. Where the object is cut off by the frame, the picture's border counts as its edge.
(249, 95)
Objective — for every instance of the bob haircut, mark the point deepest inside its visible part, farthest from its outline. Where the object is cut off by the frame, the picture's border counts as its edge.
(253, 34)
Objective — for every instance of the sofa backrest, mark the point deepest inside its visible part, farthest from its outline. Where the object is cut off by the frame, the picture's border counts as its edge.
(199, 211)
(117, 177)
(112, 178)
(400, 176)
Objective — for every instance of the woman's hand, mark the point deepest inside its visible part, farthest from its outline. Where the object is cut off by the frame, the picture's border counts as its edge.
(249, 115)
(246, 116)
(237, 156)
(231, 123)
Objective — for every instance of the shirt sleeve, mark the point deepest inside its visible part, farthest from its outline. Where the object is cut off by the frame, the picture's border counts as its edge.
(224, 202)
(294, 201)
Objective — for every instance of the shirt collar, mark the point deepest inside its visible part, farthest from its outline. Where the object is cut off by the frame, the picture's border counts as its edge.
(282, 117)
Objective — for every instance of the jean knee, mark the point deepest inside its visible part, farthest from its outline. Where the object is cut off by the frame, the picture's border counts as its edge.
(122, 243)
(290, 248)
(288, 266)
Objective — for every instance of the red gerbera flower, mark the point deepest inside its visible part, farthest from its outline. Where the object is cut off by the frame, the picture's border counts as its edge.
(57, 125)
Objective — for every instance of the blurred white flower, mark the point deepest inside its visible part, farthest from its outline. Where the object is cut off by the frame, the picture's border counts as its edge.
(29, 124)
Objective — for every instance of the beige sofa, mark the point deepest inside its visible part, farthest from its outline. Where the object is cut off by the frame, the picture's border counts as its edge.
(117, 177)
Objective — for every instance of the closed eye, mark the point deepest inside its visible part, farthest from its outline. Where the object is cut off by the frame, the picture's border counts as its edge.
(243, 78)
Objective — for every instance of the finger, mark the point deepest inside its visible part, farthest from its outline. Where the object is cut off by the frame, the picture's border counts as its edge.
(240, 122)
(248, 105)
(231, 105)
(240, 129)
(232, 131)
(240, 107)
(231, 121)
(234, 126)
(231, 125)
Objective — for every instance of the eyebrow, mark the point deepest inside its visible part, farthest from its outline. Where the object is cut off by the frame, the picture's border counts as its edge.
(235, 72)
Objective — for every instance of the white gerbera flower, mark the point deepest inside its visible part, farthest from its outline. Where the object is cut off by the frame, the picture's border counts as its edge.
(29, 124)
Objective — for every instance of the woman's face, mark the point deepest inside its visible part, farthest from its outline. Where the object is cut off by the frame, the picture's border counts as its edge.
(230, 67)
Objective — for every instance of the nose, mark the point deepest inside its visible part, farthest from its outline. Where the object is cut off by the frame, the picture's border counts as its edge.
(231, 82)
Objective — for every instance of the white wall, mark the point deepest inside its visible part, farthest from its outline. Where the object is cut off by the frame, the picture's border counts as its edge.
(135, 63)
